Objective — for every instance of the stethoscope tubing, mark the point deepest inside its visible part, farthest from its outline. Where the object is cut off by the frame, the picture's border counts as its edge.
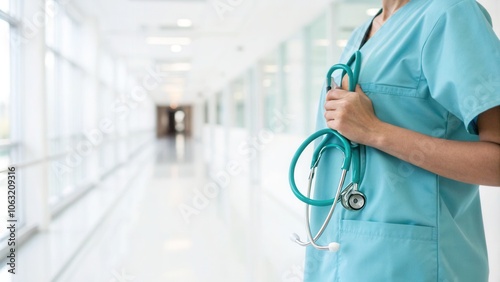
(329, 216)
(351, 152)
(317, 155)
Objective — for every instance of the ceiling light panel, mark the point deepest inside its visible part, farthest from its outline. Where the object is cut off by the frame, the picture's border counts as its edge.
(168, 40)
(176, 67)
(169, 1)
(176, 48)
(184, 23)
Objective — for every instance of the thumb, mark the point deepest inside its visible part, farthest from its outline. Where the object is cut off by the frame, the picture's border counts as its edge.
(358, 89)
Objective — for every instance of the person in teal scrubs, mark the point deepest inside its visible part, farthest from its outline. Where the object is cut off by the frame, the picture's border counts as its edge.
(427, 112)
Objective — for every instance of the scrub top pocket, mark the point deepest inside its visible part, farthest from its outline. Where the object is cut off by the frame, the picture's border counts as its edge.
(387, 252)
(381, 89)
(408, 107)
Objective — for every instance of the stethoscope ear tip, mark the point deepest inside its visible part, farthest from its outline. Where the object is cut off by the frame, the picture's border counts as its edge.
(333, 247)
(294, 237)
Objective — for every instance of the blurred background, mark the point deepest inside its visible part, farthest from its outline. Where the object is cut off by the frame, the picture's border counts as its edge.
(152, 138)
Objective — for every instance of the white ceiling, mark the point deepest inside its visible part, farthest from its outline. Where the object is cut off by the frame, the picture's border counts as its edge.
(226, 36)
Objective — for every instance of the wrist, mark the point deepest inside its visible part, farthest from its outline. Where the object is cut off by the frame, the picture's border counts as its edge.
(378, 134)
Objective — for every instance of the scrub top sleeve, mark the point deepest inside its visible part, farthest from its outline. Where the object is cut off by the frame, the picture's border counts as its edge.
(461, 63)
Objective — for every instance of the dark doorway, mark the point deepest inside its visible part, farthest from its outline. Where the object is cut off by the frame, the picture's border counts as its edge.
(171, 121)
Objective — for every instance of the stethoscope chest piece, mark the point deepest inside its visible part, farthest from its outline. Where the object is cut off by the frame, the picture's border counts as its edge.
(355, 201)
(352, 199)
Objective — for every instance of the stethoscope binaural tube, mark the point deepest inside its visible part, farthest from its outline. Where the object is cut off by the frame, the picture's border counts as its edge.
(350, 197)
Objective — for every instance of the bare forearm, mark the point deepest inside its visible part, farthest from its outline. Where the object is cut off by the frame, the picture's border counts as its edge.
(471, 162)
(352, 114)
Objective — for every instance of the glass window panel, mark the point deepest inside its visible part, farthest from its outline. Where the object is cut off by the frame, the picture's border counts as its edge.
(57, 25)
(87, 51)
(77, 40)
(270, 87)
(89, 110)
(206, 112)
(220, 108)
(64, 95)
(75, 96)
(4, 107)
(49, 23)
(238, 92)
(106, 70)
(8, 108)
(5, 5)
(3, 204)
(121, 76)
(316, 65)
(107, 149)
(50, 68)
(67, 36)
(294, 94)
(5, 79)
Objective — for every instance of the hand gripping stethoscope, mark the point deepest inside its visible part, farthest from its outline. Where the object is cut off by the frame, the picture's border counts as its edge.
(350, 197)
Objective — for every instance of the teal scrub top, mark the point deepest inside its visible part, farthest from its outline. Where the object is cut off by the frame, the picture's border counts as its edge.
(433, 67)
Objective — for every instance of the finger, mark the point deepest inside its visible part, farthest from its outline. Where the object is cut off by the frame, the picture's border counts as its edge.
(329, 105)
(345, 82)
(332, 105)
(336, 94)
(358, 89)
(329, 115)
(332, 124)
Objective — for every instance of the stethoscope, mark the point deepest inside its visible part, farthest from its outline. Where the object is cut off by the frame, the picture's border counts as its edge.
(350, 197)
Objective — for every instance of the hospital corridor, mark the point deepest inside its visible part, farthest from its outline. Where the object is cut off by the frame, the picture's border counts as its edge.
(159, 141)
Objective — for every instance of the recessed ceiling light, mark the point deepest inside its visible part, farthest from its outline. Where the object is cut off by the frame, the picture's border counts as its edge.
(168, 40)
(270, 68)
(239, 95)
(174, 79)
(322, 42)
(176, 48)
(176, 67)
(184, 23)
(173, 88)
(177, 245)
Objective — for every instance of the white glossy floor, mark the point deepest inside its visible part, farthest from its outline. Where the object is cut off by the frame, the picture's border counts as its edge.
(130, 228)
(137, 233)
(147, 239)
